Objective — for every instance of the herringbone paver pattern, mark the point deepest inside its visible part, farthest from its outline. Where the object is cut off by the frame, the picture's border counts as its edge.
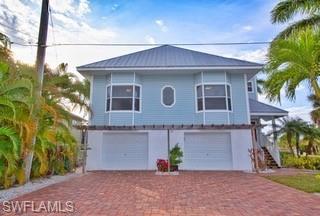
(190, 193)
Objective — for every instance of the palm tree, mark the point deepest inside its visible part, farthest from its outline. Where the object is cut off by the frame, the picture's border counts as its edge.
(312, 136)
(55, 149)
(286, 10)
(15, 125)
(292, 129)
(315, 113)
(62, 92)
(291, 62)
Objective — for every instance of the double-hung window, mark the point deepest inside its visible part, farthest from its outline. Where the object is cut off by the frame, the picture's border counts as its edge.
(213, 97)
(250, 86)
(123, 98)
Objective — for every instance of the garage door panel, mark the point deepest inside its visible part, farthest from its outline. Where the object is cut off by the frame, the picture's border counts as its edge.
(207, 151)
(125, 151)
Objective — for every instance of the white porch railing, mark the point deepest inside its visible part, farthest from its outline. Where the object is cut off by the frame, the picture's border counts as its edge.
(271, 147)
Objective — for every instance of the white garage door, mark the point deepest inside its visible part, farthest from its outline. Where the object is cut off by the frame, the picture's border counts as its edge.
(207, 151)
(125, 151)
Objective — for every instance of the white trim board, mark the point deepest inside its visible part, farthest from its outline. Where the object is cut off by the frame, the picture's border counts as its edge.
(247, 97)
(168, 68)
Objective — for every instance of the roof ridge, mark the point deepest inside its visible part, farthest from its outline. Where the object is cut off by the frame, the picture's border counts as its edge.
(169, 56)
(218, 56)
(120, 56)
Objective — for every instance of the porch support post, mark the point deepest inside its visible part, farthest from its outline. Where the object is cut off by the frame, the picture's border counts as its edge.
(168, 141)
(85, 148)
(274, 131)
(255, 149)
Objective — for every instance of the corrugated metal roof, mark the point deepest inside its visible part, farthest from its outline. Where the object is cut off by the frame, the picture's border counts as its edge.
(168, 56)
(257, 107)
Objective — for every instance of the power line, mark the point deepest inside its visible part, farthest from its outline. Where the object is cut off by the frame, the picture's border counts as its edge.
(157, 44)
(161, 44)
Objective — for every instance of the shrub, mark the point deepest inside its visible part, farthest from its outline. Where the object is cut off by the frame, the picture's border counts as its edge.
(162, 165)
(304, 162)
(175, 155)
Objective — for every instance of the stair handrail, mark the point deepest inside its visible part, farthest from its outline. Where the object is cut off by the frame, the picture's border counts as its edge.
(271, 147)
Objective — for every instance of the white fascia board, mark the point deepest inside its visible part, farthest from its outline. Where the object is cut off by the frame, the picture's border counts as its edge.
(166, 68)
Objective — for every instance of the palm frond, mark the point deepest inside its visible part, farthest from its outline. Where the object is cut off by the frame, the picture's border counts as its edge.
(309, 22)
(285, 10)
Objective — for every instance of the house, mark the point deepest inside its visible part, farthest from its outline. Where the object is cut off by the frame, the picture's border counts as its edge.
(146, 100)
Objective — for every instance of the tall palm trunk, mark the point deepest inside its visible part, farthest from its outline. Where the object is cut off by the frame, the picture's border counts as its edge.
(310, 147)
(315, 87)
(298, 144)
(289, 140)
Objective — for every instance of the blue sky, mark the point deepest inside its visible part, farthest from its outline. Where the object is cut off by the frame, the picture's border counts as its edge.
(146, 21)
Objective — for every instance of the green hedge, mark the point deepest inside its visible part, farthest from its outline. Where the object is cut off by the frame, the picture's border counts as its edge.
(304, 162)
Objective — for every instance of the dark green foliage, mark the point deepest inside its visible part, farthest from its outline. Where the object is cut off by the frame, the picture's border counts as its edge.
(176, 155)
(304, 162)
(55, 150)
(286, 10)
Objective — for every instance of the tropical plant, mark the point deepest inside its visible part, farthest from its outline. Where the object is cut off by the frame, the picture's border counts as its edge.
(311, 134)
(292, 129)
(304, 162)
(15, 109)
(175, 155)
(9, 155)
(55, 147)
(315, 113)
(292, 62)
(286, 10)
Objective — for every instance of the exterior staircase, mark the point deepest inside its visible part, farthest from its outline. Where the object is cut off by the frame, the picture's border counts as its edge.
(271, 163)
(270, 151)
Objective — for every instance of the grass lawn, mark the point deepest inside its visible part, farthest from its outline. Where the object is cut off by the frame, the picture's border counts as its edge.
(308, 183)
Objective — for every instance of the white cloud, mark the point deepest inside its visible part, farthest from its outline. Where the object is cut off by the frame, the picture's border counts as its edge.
(302, 112)
(114, 7)
(83, 7)
(150, 39)
(247, 28)
(161, 25)
(63, 6)
(70, 26)
(258, 55)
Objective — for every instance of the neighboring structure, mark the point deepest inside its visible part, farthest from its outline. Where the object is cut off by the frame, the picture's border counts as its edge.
(208, 102)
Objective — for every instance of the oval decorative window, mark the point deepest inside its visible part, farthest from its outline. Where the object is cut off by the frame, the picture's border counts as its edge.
(168, 96)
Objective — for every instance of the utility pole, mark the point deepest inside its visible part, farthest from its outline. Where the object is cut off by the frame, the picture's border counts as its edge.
(41, 53)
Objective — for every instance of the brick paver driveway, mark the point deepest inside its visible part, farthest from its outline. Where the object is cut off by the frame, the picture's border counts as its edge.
(190, 193)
